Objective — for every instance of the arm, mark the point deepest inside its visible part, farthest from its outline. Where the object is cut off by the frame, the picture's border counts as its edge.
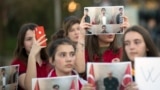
(34, 56)
(80, 51)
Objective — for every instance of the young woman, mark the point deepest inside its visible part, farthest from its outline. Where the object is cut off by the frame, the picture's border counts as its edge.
(74, 29)
(104, 48)
(31, 57)
(137, 42)
(62, 56)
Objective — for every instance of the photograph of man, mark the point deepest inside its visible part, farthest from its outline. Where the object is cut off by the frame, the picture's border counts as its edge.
(56, 87)
(3, 88)
(15, 75)
(101, 19)
(104, 29)
(3, 77)
(119, 18)
(111, 82)
(87, 17)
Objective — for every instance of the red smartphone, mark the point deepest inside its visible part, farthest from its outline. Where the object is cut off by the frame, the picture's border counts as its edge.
(39, 31)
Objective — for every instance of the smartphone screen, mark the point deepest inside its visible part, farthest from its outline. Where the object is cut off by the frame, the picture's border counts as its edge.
(39, 32)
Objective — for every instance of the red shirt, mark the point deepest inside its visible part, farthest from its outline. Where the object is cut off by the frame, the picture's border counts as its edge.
(53, 74)
(42, 71)
(107, 56)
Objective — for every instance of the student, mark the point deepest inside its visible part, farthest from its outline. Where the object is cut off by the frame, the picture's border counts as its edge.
(103, 48)
(74, 29)
(62, 56)
(30, 56)
(137, 42)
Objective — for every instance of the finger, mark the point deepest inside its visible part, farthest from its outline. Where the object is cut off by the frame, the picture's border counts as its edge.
(83, 19)
(43, 41)
(43, 46)
(86, 25)
(41, 38)
(125, 18)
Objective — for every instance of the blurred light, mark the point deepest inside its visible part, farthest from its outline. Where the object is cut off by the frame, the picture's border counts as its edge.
(72, 6)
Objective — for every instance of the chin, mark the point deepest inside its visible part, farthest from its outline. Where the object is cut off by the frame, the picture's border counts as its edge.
(68, 70)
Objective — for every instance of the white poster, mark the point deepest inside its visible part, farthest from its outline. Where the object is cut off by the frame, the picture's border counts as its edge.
(56, 83)
(109, 76)
(147, 73)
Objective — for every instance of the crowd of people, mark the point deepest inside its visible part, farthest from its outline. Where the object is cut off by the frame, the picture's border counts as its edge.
(70, 49)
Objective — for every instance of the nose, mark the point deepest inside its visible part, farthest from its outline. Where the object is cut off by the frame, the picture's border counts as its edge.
(132, 45)
(77, 31)
(68, 58)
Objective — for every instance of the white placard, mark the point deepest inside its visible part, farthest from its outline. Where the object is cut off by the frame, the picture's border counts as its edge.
(63, 83)
(147, 73)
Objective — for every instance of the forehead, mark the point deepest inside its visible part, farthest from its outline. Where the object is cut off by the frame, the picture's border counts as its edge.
(132, 35)
(65, 48)
(29, 33)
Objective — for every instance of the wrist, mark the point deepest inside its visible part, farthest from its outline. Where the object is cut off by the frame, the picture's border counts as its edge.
(80, 43)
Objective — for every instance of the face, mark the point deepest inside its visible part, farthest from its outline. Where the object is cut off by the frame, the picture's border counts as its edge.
(105, 39)
(121, 10)
(103, 28)
(110, 74)
(28, 40)
(134, 45)
(85, 12)
(103, 11)
(74, 32)
(64, 58)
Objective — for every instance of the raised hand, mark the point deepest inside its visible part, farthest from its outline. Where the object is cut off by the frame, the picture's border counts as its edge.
(125, 23)
(36, 46)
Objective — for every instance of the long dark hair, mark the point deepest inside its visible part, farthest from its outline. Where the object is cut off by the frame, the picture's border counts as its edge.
(152, 50)
(20, 51)
(92, 46)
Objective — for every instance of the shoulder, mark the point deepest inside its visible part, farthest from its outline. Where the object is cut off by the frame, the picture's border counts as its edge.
(17, 61)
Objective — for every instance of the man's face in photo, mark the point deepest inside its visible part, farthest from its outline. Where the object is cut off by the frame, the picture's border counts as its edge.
(103, 27)
(103, 11)
(121, 10)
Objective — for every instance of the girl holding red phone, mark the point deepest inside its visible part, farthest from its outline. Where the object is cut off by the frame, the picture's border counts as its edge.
(31, 56)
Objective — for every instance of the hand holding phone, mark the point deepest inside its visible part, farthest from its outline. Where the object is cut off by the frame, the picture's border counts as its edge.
(39, 32)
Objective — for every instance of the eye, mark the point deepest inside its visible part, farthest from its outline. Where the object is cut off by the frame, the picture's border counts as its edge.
(71, 30)
(72, 54)
(137, 42)
(126, 43)
(78, 28)
(28, 39)
(62, 54)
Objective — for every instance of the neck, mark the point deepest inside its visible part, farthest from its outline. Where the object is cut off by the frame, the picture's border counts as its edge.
(59, 73)
(103, 44)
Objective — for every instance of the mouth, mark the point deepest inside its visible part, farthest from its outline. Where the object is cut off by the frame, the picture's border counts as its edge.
(110, 36)
(69, 65)
(133, 53)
